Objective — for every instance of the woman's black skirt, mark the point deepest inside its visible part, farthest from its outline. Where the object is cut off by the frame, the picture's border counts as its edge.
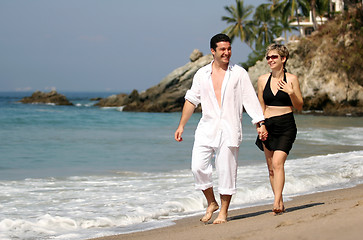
(281, 133)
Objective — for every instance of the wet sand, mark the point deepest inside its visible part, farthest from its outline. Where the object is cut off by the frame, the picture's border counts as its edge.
(329, 215)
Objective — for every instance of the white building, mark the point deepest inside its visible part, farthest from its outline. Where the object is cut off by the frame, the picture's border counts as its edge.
(336, 5)
(307, 25)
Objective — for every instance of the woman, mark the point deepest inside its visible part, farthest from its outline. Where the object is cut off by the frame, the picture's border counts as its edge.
(278, 93)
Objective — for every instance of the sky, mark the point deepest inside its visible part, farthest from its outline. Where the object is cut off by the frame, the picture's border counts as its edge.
(105, 45)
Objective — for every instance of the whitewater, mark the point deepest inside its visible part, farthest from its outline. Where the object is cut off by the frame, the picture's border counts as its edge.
(78, 172)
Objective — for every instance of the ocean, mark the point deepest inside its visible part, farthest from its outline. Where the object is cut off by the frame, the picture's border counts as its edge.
(79, 172)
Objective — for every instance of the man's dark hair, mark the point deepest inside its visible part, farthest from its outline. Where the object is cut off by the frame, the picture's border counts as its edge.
(220, 37)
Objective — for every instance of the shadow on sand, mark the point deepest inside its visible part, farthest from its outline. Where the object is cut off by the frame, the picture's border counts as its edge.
(288, 210)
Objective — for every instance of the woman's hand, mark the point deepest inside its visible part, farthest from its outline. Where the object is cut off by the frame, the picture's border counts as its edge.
(285, 86)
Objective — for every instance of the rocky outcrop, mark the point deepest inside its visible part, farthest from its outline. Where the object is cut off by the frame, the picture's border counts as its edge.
(167, 96)
(113, 101)
(328, 65)
(325, 90)
(46, 98)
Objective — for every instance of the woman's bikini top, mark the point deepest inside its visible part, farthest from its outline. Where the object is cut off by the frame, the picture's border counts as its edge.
(280, 99)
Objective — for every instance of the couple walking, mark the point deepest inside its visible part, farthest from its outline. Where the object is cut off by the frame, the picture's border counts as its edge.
(224, 90)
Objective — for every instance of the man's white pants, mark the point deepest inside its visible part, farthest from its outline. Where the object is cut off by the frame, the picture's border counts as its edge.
(226, 167)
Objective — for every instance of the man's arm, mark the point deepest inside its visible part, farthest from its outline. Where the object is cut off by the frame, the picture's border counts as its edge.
(253, 106)
(187, 112)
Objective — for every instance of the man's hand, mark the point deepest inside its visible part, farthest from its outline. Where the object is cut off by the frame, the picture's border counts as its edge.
(178, 134)
(262, 133)
(187, 112)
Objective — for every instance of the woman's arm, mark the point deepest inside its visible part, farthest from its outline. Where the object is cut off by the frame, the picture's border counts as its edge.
(261, 82)
(295, 92)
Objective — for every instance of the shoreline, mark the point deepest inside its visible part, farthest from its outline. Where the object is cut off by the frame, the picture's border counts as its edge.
(336, 214)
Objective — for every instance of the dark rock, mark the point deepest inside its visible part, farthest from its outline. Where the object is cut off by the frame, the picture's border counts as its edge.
(96, 99)
(195, 55)
(112, 101)
(46, 98)
(167, 96)
(325, 90)
(325, 87)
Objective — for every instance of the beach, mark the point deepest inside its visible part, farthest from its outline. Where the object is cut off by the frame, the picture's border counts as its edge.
(81, 172)
(336, 214)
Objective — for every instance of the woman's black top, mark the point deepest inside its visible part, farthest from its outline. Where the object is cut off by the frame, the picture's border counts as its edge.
(280, 99)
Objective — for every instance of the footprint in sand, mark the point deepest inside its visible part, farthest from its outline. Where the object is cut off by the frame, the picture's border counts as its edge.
(359, 203)
(283, 224)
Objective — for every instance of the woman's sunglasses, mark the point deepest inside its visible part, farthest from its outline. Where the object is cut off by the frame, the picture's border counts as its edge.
(272, 57)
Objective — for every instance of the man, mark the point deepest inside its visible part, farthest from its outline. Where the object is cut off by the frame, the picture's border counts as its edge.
(223, 90)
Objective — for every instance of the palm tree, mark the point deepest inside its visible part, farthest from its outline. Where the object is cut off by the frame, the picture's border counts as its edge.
(240, 26)
(283, 26)
(264, 23)
(290, 8)
(313, 13)
(274, 5)
(322, 8)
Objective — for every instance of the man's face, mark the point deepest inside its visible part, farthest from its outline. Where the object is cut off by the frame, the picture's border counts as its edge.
(223, 52)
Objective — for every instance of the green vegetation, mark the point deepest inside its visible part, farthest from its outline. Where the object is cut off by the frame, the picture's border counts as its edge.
(342, 40)
(240, 26)
(272, 20)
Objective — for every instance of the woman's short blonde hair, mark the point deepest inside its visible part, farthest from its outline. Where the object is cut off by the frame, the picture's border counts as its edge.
(281, 50)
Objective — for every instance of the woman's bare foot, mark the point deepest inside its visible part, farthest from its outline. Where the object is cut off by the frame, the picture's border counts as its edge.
(210, 210)
(222, 218)
(277, 211)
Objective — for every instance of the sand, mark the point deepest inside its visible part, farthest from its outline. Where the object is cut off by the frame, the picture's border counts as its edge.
(329, 215)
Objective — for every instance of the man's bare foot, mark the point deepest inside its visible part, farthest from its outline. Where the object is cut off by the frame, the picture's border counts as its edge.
(222, 218)
(210, 210)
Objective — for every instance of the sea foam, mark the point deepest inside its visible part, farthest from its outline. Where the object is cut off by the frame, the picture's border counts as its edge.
(127, 201)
